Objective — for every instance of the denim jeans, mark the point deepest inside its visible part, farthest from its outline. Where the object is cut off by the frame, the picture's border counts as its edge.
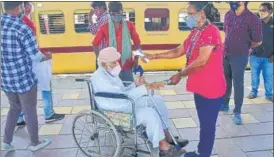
(47, 104)
(257, 65)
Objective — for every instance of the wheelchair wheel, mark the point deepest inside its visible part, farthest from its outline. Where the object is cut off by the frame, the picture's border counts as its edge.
(95, 135)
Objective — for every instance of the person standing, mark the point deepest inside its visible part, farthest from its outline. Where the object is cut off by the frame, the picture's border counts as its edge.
(118, 33)
(243, 30)
(99, 10)
(49, 113)
(18, 50)
(262, 56)
(204, 51)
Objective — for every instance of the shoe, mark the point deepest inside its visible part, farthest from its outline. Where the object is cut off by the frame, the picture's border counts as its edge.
(237, 119)
(21, 124)
(251, 96)
(270, 99)
(224, 108)
(39, 146)
(7, 147)
(191, 154)
(171, 152)
(181, 142)
(55, 117)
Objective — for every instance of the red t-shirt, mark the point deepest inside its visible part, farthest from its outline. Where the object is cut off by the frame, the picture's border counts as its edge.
(104, 34)
(210, 80)
(28, 22)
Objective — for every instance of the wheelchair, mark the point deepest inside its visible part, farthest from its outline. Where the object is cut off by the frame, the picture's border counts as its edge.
(101, 133)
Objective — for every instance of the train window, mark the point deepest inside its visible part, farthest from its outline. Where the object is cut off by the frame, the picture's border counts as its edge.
(81, 23)
(219, 21)
(182, 21)
(157, 19)
(52, 22)
(129, 15)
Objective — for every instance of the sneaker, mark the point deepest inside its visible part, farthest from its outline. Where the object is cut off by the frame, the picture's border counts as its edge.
(55, 117)
(39, 146)
(224, 108)
(171, 152)
(237, 119)
(181, 142)
(191, 154)
(21, 124)
(7, 147)
(251, 96)
(270, 99)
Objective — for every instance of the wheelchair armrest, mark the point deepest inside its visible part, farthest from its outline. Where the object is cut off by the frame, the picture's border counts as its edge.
(111, 95)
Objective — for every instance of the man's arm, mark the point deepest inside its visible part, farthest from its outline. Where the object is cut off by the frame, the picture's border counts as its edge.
(256, 32)
(136, 40)
(97, 40)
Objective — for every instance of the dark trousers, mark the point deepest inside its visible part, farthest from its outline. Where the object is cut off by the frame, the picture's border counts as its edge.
(234, 68)
(207, 110)
(126, 75)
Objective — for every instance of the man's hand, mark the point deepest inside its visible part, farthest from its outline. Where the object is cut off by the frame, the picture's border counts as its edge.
(140, 81)
(175, 79)
(47, 56)
(272, 58)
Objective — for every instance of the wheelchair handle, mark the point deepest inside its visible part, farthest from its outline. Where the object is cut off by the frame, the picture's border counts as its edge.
(82, 80)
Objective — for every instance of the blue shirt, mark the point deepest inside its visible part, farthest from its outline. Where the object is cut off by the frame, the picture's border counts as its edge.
(18, 47)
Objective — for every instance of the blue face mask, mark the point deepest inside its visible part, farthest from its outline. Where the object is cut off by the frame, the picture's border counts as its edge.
(116, 18)
(234, 5)
(191, 21)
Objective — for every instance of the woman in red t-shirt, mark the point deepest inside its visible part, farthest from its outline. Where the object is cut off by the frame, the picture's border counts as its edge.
(204, 51)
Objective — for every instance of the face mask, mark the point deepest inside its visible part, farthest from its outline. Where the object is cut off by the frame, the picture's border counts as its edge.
(234, 5)
(263, 15)
(191, 21)
(115, 71)
(32, 8)
(116, 18)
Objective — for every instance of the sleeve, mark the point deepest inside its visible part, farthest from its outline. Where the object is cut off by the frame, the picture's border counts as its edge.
(210, 36)
(256, 32)
(225, 23)
(133, 33)
(99, 37)
(30, 45)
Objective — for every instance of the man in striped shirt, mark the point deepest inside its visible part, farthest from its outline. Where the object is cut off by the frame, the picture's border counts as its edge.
(243, 31)
(98, 16)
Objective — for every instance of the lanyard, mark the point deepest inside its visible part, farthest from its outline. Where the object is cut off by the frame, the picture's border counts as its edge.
(192, 44)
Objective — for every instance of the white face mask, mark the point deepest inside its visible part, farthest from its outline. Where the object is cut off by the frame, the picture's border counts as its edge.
(263, 15)
(32, 8)
(115, 71)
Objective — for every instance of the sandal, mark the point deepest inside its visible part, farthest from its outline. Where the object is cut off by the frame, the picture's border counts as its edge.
(181, 142)
(171, 152)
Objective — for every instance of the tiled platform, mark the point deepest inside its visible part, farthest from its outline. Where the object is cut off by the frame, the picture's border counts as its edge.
(253, 139)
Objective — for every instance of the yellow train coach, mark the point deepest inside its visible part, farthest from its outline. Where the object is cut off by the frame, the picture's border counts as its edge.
(62, 28)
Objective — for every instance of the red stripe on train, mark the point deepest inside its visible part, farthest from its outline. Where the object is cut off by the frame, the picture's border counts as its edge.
(79, 49)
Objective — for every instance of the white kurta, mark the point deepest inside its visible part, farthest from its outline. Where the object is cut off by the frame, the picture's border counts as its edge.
(146, 115)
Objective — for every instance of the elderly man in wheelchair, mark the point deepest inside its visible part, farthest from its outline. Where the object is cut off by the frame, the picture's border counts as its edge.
(106, 79)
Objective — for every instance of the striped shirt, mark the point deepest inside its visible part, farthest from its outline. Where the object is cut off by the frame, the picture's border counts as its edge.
(18, 48)
(101, 20)
(240, 31)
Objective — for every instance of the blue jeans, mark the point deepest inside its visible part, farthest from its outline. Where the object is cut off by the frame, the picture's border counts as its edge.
(47, 104)
(257, 65)
(207, 110)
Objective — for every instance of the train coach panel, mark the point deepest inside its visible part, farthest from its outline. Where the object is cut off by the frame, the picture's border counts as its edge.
(62, 27)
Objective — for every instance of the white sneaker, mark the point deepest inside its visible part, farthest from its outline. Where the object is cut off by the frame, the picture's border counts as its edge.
(42, 144)
(7, 147)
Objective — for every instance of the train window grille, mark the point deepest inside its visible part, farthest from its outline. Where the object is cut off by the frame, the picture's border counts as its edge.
(52, 23)
(157, 19)
(81, 22)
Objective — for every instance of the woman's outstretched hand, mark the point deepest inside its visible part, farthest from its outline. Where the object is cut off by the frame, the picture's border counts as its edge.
(150, 56)
(175, 79)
